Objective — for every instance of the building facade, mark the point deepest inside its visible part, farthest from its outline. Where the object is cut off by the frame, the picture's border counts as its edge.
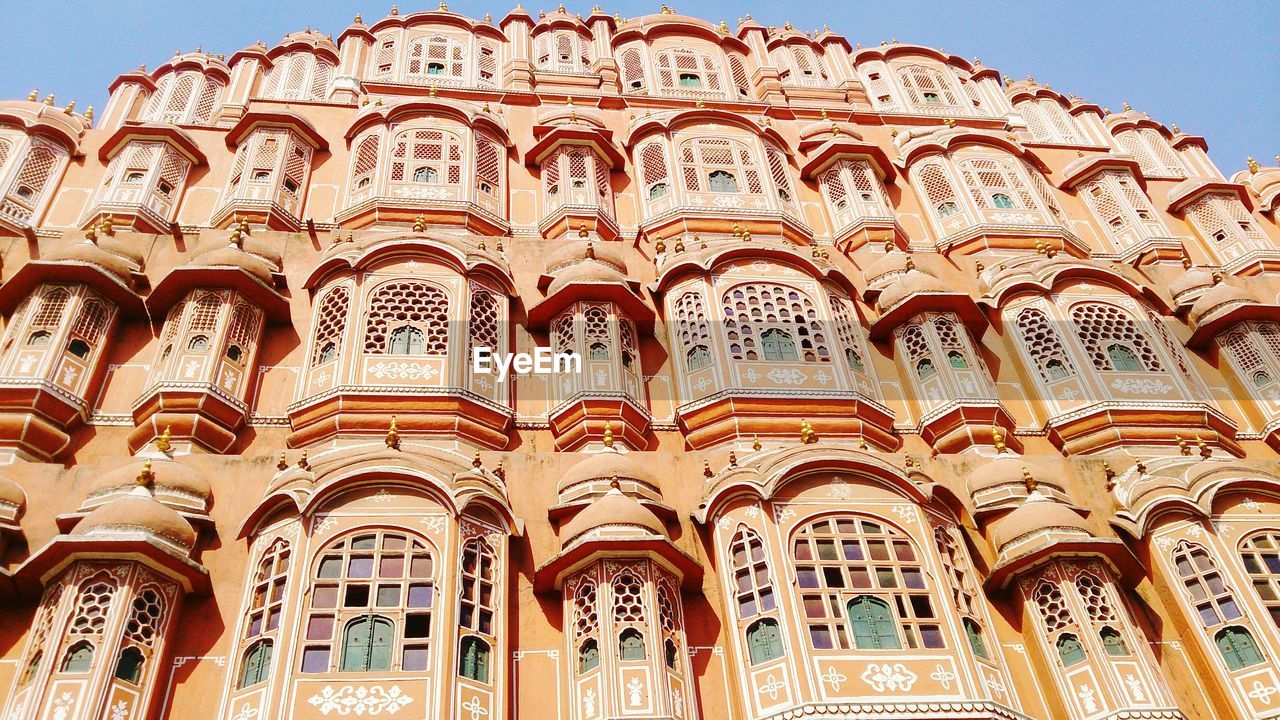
(908, 390)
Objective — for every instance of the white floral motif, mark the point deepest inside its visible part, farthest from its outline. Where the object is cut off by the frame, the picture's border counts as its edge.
(772, 685)
(634, 696)
(424, 193)
(822, 377)
(1135, 688)
(906, 512)
(787, 376)
(732, 201)
(589, 702)
(63, 705)
(996, 686)
(724, 523)
(434, 523)
(702, 384)
(782, 514)
(677, 704)
(943, 676)
(889, 677)
(1262, 693)
(833, 678)
(1252, 504)
(475, 707)
(402, 371)
(1164, 543)
(840, 489)
(1014, 218)
(1085, 693)
(382, 496)
(321, 378)
(752, 511)
(1195, 531)
(361, 701)
(1142, 386)
(120, 710)
(247, 712)
(750, 375)
(321, 525)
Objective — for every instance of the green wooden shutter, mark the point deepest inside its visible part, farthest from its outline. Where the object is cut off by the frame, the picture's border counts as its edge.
(976, 642)
(1070, 650)
(381, 642)
(765, 641)
(355, 645)
(1238, 648)
(1113, 643)
(873, 624)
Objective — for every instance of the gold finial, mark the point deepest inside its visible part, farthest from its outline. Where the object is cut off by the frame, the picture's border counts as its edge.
(667, 11)
(746, 236)
(48, 99)
(699, 104)
(807, 435)
(824, 114)
(359, 19)
(1183, 448)
(1186, 260)
(909, 461)
(825, 29)
(950, 122)
(1109, 474)
(34, 95)
(997, 438)
(443, 7)
(244, 227)
(659, 247)
(617, 18)
(862, 444)
(910, 264)
(608, 434)
(498, 247)
(1174, 127)
(393, 435)
(724, 27)
(303, 462)
(91, 235)
(615, 483)
(1029, 78)
(1126, 106)
(1254, 166)
(283, 464)
(582, 230)
(434, 91)
(237, 239)
(481, 245)
(488, 19)
(500, 472)
(737, 230)
(1205, 451)
(1141, 467)
(70, 108)
(706, 469)
(395, 9)
(420, 223)
(476, 462)
(1029, 480)
(591, 251)
(146, 477)
(162, 442)
(486, 108)
(679, 244)
(88, 113)
(108, 225)
(702, 244)
(786, 25)
(755, 443)
(733, 459)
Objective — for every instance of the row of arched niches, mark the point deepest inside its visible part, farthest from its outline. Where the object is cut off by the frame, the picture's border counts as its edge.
(905, 391)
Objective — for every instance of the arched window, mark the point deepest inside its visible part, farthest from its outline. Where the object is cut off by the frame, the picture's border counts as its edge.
(1113, 339)
(853, 191)
(1237, 647)
(1260, 554)
(489, 161)
(925, 369)
(129, 665)
(363, 166)
(1113, 642)
(367, 644)
(473, 659)
(847, 332)
(873, 625)
(773, 322)
(684, 71)
(435, 58)
(256, 665)
(1207, 589)
(1042, 343)
(698, 358)
(631, 645)
(588, 656)
(383, 572)
(39, 337)
(1121, 208)
(996, 183)
(478, 577)
(848, 557)
(79, 348)
(1048, 121)
(938, 189)
(407, 341)
(928, 89)
(959, 574)
(1153, 152)
(632, 71)
(427, 156)
(562, 51)
(764, 641)
(298, 76)
(974, 634)
(331, 320)
(750, 574)
(1070, 651)
(720, 164)
(79, 658)
(692, 329)
(408, 304)
(266, 603)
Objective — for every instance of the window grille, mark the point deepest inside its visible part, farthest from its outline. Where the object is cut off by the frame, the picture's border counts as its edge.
(752, 586)
(331, 320)
(688, 72)
(408, 304)
(633, 80)
(928, 90)
(482, 319)
(773, 322)
(1044, 346)
(1205, 585)
(435, 59)
(92, 606)
(1110, 337)
(438, 151)
(478, 601)
(702, 158)
(693, 330)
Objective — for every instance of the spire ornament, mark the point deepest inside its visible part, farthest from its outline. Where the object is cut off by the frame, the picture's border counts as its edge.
(393, 435)
(162, 442)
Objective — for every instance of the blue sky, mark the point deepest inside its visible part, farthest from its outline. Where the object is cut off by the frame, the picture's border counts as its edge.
(1210, 69)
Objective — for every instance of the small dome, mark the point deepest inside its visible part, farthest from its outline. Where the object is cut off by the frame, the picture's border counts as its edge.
(11, 493)
(914, 282)
(1004, 470)
(138, 511)
(93, 254)
(1033, 515)
(586, 272)
(169, 475)
(613, 508)
(232, 256)
(1218, 296)
(891, 263)
(574, 253)
(604, 466)
(1193, 279)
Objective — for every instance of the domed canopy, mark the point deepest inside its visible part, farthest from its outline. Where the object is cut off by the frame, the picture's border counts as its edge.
(605, 466)
(1193, 279)
(1215, 298)
(890, 264)
(585, 273)
(116, 264)
(1006, 469)
(11, 493)
(233, 256)
(611, 510)
(914, 282)
(1034, 515)
(167, 474)
(134, 512)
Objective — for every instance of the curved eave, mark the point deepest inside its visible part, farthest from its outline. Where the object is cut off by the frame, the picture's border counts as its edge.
(1113, 550)
(268, 506)
(550, 575)
(886, 52)
(1192, 189)
(765, 478)
(1182, 140)
(1025, 91)
(665, 123)
(952, 140)
(793, 37)
(459, 260)
(1205, 331)
(317, 47)
(31, 275)
(561, 20)
(1084, 168)
(356, 30)
(181, 279)
(258, 51)
(133, 76)
(624, 294)
(46, 121)
(62, 550)
(1130, 120)
(390, 114)
(276, 118)
(1198, 499)
(173, 136)
(648, 27)
(953, 302)
(703, 261)
(558, 135)
(438, 17)
(1044, 282)
(835, 149)
(203, 64)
